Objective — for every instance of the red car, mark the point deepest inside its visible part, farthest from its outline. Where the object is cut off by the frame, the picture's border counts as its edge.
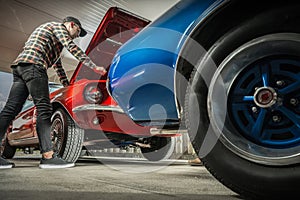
(84, 111)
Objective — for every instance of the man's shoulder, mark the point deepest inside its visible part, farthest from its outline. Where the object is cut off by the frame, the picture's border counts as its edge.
(52, 23)
(51, 26)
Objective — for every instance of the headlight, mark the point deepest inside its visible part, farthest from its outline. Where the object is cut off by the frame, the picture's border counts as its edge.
(93, 94)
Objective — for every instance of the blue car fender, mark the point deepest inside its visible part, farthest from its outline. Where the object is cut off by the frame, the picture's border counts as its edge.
(141, 76)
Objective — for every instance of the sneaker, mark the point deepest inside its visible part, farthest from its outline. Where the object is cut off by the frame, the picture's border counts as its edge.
(55, 163)
(4, 164)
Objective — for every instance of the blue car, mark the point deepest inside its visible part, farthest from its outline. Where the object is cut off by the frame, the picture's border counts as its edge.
(227, 72)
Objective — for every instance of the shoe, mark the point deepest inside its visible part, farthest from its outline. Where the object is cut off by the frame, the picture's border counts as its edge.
(195, 162)
(4, 164)
(55, 163)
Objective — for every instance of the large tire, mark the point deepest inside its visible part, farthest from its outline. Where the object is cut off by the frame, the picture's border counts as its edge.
(7, 151)
(161, 148)
(243, 118)
(66, 136)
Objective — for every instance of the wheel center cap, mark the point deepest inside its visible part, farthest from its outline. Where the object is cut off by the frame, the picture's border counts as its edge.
(265, 97)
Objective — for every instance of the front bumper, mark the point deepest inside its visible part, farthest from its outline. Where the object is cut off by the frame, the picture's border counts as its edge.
(94, 107)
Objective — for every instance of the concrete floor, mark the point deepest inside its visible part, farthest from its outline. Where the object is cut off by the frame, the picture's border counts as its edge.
(111, 178)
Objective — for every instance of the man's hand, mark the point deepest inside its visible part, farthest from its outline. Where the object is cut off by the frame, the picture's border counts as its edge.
(100, 70)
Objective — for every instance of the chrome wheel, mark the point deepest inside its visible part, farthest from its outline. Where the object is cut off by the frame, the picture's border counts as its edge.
(260, 119)
(66, 136)
(57, 134)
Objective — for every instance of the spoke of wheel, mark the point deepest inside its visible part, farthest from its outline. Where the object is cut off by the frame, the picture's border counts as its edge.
(265, 75)
(258, 125)
(266, 135)
(59, 127)
(248, 98)
(291, 88)
(292, 116)
(295, 132)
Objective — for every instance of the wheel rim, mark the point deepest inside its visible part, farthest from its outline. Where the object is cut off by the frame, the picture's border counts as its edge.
(261, 83)
(268, 116)
(57, 136)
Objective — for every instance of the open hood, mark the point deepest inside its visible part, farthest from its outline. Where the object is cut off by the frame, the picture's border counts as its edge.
(116, 28)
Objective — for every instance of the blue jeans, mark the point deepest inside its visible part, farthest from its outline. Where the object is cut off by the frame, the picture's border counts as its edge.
(29, 79)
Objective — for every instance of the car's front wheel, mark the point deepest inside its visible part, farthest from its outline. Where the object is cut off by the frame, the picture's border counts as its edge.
(244, 119)
(66, 136)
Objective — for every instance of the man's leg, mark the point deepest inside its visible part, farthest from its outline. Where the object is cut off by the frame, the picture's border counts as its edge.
(39, 89)
(16, 99)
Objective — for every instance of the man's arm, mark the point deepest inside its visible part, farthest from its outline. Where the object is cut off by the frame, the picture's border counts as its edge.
(63, 36)
(61, 73)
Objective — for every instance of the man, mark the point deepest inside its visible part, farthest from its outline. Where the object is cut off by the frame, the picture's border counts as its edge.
(42, 51)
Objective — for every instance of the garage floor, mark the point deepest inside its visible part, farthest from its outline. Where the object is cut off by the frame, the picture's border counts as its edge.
(110, 178)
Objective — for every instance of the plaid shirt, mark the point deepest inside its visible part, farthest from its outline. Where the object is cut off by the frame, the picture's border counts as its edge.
(44, 47)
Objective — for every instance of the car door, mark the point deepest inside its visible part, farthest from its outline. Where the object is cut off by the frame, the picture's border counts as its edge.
(23, 125)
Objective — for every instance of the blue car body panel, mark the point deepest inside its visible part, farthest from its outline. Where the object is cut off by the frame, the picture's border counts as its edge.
(141, 76)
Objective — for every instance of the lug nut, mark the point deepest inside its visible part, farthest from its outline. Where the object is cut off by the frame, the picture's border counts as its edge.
(280, 83)
(276, 118)
(293, 101)
(254, 109)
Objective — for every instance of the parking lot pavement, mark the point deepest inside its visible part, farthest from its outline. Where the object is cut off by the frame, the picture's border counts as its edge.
(111, 178)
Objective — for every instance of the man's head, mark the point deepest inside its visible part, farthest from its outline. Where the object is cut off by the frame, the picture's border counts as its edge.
(74, 27)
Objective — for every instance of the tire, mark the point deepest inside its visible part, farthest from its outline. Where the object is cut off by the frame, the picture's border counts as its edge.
(161, 148)
(66, 136)
(7, 151)
(241, 107)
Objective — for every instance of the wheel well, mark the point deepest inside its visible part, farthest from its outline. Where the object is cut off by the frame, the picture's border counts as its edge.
(210, 30)
(57, 105)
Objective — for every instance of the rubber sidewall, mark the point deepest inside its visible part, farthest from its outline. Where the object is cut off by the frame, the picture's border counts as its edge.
(251, 180)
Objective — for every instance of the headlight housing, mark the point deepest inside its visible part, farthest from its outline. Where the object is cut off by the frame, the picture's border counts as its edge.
(93, 94)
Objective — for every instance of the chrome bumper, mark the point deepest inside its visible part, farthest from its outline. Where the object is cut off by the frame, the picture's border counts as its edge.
(97, 108)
